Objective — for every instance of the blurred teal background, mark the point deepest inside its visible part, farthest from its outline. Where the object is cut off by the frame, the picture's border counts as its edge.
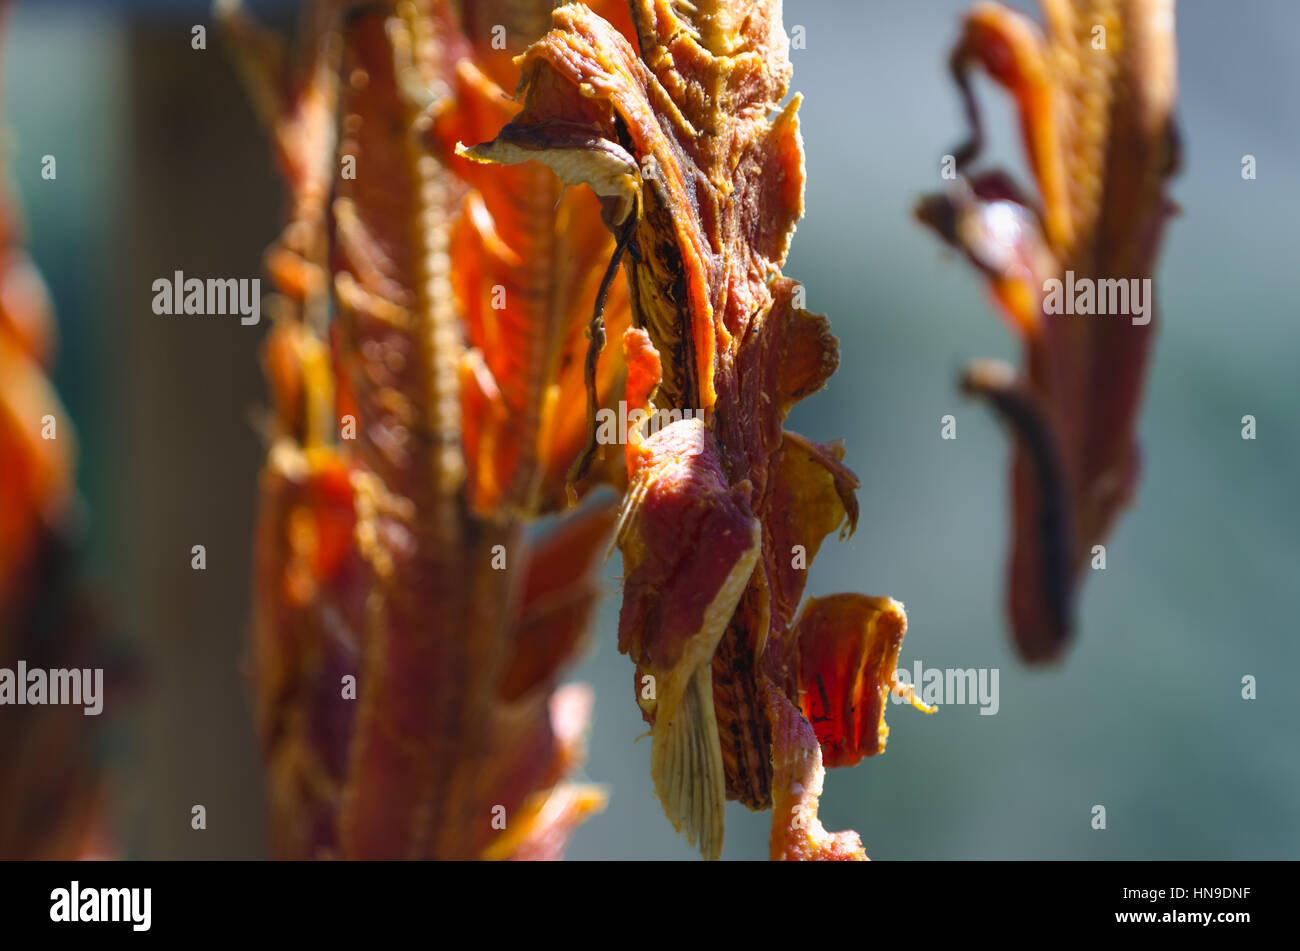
(161, 167)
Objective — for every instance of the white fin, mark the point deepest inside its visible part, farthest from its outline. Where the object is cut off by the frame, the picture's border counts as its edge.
(686, 765)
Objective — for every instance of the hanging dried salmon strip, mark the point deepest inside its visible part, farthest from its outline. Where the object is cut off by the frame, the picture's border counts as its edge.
(1095, 95)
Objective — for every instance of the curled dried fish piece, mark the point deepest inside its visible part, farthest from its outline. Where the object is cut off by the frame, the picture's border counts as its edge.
(1095, 93)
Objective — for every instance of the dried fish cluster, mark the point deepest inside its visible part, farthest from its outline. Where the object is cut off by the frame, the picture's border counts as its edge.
(435, 394)
(410, 624)
(677, 125)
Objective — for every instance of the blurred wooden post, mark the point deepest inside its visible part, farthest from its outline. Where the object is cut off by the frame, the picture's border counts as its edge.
(199, 196)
